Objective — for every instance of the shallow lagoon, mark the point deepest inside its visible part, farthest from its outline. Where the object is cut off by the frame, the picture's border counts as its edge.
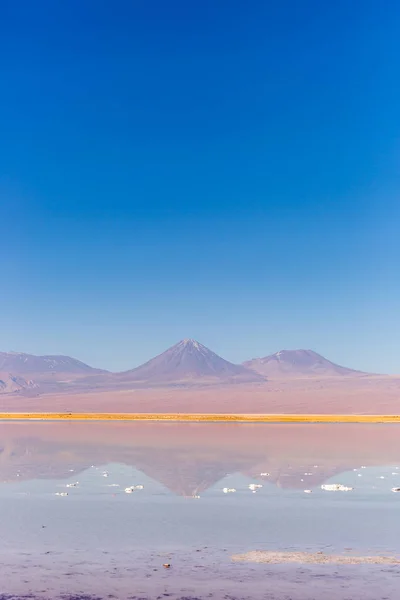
(99, 541)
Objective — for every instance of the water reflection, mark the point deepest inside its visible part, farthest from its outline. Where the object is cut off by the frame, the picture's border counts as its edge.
(188, 459)
(100, 542)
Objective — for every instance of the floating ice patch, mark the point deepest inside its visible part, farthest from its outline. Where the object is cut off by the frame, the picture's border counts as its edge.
(254, 486)
(336, 487)
(130, 489)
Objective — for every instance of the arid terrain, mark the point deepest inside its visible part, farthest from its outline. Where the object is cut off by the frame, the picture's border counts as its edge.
(371, 395)
(191, 378)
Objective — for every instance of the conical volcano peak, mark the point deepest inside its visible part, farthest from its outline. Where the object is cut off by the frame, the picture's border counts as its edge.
(191, 346)
(190, 360)
(190, 342)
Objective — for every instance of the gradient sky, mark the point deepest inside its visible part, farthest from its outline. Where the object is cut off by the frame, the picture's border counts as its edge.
(227, 171)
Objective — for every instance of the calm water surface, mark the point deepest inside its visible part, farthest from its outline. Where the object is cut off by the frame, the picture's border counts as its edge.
(99, 541)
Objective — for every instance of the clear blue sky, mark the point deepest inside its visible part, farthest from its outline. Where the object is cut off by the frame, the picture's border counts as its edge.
(227, 171)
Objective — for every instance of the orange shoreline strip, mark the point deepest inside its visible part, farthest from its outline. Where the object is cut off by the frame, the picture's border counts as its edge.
(192, 417)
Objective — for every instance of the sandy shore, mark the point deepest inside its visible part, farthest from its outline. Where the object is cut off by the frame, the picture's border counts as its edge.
(181, 417)
(313, 558)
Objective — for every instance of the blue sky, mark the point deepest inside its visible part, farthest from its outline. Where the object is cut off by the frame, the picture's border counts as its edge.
(226, 171)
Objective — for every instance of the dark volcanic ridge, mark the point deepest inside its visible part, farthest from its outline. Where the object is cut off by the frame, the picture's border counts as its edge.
(298, 363)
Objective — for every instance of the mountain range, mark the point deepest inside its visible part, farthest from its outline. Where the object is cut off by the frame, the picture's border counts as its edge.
(186, 364)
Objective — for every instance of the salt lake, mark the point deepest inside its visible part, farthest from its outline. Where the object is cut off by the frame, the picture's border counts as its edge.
(199, 496)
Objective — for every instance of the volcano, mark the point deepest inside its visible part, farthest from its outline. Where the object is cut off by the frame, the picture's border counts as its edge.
(298, 363)
(190, 362)
(24, 364)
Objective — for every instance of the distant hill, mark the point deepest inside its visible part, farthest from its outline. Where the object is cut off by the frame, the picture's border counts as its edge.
(23, 364)
(10, 383)
(297, 363)
(189, 361)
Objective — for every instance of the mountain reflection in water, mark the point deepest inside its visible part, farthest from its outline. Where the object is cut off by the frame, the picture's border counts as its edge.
(190, 458)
